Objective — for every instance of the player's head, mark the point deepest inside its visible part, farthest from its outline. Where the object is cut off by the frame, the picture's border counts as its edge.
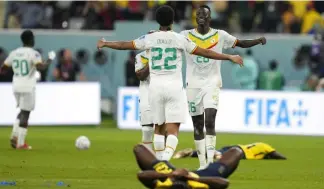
(179, 185)
(273, 65)
(203, 15)
(164, 15)
(27, 38)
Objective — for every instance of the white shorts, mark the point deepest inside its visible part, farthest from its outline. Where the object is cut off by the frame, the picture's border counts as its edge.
(145, 110)
(200, 99)
(25, 101)
(168, 104)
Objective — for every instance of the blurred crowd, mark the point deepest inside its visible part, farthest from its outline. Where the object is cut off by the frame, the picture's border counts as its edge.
(234, 16)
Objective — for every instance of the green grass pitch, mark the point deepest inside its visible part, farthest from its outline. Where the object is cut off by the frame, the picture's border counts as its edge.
(109, 163)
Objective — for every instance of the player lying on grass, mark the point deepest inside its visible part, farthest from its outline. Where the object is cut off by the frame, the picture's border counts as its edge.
(254, 151)
(161, 174)
(167, 96)
(24, 61)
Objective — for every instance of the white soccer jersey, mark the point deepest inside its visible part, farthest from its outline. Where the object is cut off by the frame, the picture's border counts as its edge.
(165, 55)
(141, 60)
(201, 71)
(23, 61)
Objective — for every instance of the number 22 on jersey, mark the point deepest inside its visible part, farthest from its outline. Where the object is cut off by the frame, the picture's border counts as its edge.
(157, 54)
(21, 67)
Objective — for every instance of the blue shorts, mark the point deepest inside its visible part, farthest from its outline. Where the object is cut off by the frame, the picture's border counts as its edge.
(214, 170)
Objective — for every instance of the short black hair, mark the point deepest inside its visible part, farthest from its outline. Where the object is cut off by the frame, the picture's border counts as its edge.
(27, 38)
(164, 15)
(273, 64)
(249, 52)
(205, 7)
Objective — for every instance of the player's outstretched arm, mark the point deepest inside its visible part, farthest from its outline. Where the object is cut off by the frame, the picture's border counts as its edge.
(275, 155)
(4, 68)
(217, 56)
(148, 178)
(143, 73)
(251, 42)
(118, 45)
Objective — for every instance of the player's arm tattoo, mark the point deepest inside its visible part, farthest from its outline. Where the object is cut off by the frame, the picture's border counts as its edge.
(250, 43)
(143, 73)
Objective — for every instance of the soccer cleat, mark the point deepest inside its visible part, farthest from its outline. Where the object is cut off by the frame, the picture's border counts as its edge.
(25, 147)
(13, 142)
(183, 153)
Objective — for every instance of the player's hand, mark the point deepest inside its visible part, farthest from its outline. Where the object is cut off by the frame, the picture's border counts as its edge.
(237, 59)
(180, 173)
(263, 40)
(51, 55)
(101, 43)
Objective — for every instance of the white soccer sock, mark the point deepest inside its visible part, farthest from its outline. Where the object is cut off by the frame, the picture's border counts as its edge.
(201, 150)
(22, 132)
(159, 145)
(147, 136)
(15, 127)
(210, 147)
(170, 147)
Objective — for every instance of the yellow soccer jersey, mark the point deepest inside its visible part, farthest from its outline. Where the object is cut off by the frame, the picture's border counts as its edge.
(257, 150)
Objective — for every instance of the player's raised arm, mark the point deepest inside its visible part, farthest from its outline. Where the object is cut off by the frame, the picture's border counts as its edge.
(42, 65)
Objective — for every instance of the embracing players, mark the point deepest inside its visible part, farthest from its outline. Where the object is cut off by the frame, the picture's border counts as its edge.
(167, 96)
(24, 62)
(204, 80)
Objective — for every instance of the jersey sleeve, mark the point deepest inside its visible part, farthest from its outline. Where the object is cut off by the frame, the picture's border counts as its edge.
(229, 40)
(37, 58)
(189, 45)
(141, 43)
(8, 60)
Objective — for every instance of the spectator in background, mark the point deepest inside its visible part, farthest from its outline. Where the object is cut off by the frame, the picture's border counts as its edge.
(67, 69)
(310, 18)
(272, 79)
(131, 79)
(246, 77)
(310, 83)
(288, 19)
(7, 76)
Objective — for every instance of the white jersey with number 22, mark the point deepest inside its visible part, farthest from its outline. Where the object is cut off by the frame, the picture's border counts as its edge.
(166, 48)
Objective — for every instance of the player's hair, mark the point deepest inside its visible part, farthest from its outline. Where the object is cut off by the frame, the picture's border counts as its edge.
(179, 185)
(27, 37)
(164, 15)
(205, 7)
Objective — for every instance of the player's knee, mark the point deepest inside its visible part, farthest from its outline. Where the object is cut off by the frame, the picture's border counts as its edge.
(199, 131)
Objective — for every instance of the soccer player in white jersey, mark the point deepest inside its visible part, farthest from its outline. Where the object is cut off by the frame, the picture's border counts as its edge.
(167, 95)
(24, 61)
(204, 80)
(142, 73)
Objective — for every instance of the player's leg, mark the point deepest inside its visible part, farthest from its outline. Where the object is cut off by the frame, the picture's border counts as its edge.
(146, 119)
(14, 133)
(159, 140)
(210, 104)
(175, 114)
(231, 159)
(197, 115)
(27, 104)
(158, 116)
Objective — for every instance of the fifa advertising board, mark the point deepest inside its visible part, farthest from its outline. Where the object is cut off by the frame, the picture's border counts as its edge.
(264, 112)
(57, 103)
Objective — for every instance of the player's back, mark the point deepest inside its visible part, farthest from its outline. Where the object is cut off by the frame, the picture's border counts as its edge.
(166, 49)
(256, 150)
(23, 61)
